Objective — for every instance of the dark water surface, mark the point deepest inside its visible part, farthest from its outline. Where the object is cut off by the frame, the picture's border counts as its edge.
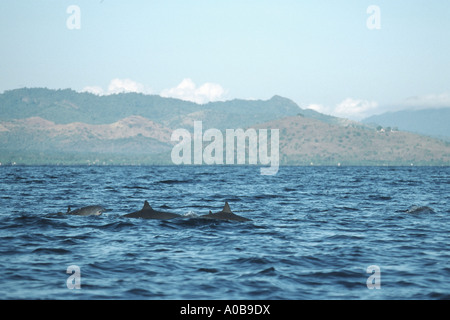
(314, 232)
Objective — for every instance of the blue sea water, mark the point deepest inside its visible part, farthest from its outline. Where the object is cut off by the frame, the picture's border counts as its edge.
(314, 233)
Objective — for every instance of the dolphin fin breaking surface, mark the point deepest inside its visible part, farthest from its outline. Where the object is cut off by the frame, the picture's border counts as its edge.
(146, 206)
(147, 212)
(225, 214)
(226, 208)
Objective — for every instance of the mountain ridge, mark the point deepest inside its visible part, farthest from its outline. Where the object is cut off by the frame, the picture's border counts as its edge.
(136, 129)
(306, 141)
(432, 122)
(66, 106)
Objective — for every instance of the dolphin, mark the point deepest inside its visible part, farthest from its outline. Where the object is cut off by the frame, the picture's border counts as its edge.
(87, 211)
(148, 213)
(419, 209)
(225, 214)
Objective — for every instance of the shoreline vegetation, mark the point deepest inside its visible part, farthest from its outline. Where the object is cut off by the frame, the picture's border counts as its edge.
(11, 158)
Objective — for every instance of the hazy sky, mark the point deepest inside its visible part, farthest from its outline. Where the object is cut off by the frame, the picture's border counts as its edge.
(333, 56)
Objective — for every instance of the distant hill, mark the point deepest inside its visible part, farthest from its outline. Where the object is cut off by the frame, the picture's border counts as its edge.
(132, 135)
(305, 141)
(431, 122)
(68, 106)
(42, 126)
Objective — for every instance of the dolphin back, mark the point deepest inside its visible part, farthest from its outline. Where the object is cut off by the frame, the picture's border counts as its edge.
(147, 212)
(225, 214)
(419, 209)
(88, 211)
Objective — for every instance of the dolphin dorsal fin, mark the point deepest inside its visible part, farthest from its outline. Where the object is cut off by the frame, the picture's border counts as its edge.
(68, 209)
(210, 212)
(226, 208)
(146, 206)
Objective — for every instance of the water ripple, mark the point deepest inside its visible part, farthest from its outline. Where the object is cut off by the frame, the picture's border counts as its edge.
(314, 232)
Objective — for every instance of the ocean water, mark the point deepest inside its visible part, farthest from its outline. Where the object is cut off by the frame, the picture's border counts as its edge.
(314, 233)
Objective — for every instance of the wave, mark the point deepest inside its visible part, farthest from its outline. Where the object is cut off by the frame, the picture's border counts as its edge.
(51, 251)
(173, 181)
(208, 270)
(379, 197)
(314, 241)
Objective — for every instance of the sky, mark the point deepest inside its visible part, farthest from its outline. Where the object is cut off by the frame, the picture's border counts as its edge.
(350, 58)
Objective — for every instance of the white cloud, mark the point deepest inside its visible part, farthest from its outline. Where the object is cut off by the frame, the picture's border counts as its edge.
(125, 85)
(187, 90)
(94, 90)
(319, 108)
(355, 109)
(118, 86)
(429, 101)
(358, 109)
